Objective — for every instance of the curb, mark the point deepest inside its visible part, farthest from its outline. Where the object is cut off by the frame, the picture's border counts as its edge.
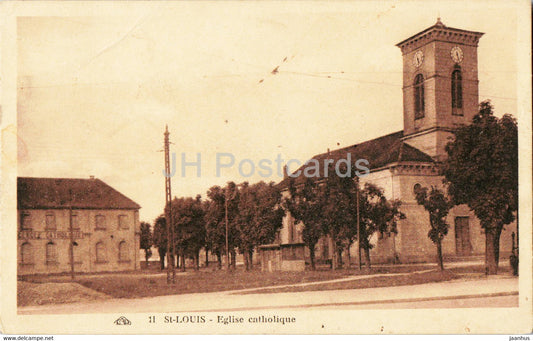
(390, 301)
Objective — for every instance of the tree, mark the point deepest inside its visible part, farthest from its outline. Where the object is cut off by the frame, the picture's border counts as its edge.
(216, 223)
(146, 240)
(189, 228)
(339, 208)
(437, 205)
(160, 238)
(306, 203)
(214, 218)
(259, 217)
(377, 215)
(481, 171)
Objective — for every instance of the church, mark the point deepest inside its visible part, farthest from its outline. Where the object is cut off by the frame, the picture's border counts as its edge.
(440, 93)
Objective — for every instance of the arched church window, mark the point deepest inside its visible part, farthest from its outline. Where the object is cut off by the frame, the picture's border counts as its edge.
(457, 89)
(419, 96)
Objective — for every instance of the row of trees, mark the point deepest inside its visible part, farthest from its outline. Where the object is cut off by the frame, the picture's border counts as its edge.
(481, 171)
(333, 206)
(252, 214)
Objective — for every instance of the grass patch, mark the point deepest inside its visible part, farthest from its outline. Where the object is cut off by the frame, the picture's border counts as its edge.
(54, 293)
(149, 283)
(129, 286)
(373, 282)
(199, 282)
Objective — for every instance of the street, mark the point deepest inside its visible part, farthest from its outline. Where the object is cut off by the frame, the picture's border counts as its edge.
(497, 291)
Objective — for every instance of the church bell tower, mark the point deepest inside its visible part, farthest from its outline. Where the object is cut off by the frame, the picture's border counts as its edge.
(440, 85)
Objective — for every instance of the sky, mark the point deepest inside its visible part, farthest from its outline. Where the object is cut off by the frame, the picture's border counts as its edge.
(95, 93)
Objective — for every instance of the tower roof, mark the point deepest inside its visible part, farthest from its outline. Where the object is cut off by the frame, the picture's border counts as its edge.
(440, 32)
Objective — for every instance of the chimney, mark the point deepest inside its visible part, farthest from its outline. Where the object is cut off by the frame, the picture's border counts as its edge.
(285, 172)
(91, 177)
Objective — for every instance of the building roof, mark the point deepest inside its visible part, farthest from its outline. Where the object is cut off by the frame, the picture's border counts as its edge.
(49, 193)
(440, 27)
(379, 153)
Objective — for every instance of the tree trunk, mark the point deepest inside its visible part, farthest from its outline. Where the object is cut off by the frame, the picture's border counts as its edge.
(146, 256)
(162, 259)
(439, 255)
(219, 260)
(245, 257)
(197, 260)
(367, 257)
(251, 258)
(312, 257)
(497, 245)
(233, 259)
(339, 258)
(206, 257)
(349, 256)
(334, 260)
(491, 265)
(182, 267)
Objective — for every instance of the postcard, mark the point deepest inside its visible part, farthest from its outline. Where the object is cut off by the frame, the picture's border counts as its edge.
(299, 167)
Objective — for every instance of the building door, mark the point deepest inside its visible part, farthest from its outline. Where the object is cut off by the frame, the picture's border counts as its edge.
(463, 246)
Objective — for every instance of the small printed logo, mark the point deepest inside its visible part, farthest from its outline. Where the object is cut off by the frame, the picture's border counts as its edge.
(122, 321)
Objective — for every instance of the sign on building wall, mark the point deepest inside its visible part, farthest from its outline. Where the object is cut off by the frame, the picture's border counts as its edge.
(49, 235)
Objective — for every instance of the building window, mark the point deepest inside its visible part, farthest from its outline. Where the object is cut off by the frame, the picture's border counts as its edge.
(457, 91)
(25, 221)
(26, 254)
(51, 253)
(100, 222)
(419, 96)
(100, 253)
(50, 221)
(123, 251)
(123, 222)
(75, 221)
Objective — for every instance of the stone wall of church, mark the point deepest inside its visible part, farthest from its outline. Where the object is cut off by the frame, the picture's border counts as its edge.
(411, 244)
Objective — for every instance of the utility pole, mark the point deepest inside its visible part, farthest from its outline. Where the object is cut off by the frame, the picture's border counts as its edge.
(358, 227)
(71, 248)
(171, 271)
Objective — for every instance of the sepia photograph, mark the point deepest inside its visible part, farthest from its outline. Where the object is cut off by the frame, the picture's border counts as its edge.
(300, 167)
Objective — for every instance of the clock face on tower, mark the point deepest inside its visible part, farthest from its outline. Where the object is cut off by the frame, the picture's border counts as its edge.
(456, 54)
(418, 58)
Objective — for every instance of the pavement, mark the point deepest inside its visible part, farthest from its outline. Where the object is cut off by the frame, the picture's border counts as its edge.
(490, 291)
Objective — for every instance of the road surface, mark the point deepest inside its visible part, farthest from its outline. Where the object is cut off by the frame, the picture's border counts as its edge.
(487, 292)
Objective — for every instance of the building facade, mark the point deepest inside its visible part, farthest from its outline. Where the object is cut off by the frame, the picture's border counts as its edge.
(101, 224)
(440, 93)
